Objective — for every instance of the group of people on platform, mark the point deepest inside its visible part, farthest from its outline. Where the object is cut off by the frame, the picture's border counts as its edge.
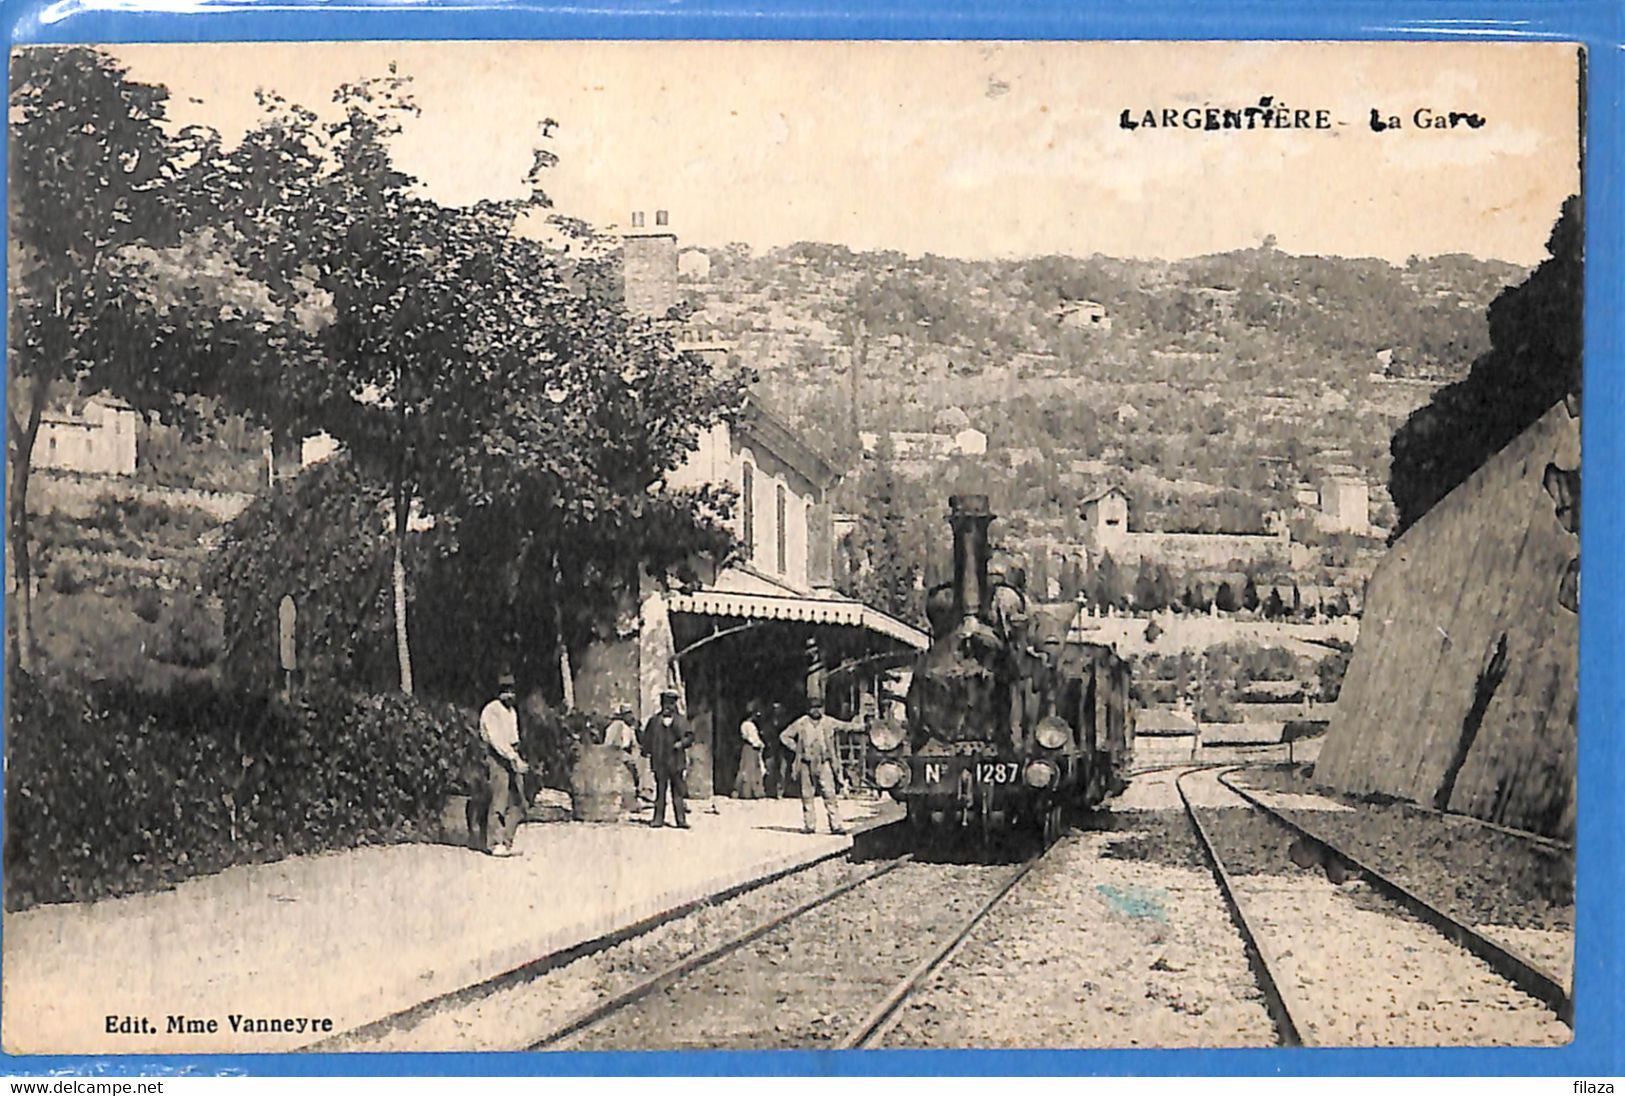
(805, 755)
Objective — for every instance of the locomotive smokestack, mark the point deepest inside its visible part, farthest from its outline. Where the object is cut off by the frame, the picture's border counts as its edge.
(970, 517)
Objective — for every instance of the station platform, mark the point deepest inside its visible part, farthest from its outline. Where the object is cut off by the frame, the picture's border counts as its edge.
(347, 938)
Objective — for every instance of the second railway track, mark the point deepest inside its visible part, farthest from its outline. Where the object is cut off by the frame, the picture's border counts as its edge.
(1358, 965)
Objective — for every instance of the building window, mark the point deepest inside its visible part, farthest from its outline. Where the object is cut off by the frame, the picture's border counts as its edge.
(748, 491)
(781, 513)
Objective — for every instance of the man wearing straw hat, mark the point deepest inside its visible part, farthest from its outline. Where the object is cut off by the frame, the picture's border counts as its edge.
(505, 807)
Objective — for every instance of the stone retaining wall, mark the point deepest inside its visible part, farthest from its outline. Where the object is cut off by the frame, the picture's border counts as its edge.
(1462, 692)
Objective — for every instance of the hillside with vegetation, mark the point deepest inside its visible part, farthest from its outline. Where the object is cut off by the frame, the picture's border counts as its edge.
(1244, 372)
(1213, 389)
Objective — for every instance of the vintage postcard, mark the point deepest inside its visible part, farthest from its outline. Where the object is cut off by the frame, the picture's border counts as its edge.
(720, 545)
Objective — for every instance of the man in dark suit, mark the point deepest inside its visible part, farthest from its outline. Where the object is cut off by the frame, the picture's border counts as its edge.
(665, 742)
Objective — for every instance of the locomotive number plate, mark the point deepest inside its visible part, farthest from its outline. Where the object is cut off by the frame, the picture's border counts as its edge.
(998, 772)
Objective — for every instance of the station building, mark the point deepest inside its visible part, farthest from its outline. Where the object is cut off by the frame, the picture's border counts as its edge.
(766, 629)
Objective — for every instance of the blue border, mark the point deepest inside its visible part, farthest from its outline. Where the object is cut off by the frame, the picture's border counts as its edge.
(1598, 24)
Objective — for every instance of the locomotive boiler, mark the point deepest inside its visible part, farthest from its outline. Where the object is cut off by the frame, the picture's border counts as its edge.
(1009, 723)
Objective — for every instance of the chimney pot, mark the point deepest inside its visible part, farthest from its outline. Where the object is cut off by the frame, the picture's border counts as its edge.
(661, 218)
(637, 218)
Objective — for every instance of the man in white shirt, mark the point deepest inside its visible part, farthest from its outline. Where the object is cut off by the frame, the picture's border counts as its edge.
(818, 761)
(505, 808)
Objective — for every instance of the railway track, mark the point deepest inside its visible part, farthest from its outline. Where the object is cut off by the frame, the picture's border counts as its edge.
(1505, 961)
(790, 968)
(1337, 968)
(395, 1031)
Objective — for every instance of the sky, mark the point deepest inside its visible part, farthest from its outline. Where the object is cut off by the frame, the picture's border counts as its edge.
(973, 150)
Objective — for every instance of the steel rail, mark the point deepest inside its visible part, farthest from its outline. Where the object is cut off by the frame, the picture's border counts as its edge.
(884, 1016)
(1509, 964)
(671, 974)
(1554, 845)
(1260, 957)
(553, 960)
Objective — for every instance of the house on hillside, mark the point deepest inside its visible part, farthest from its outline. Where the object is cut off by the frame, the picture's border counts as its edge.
(950, 420)
(920, 445)
(1084, 315)
(768, 627)
(1217, 302)
(1105, 518)
(1105, 530)
(93, 436)
(1345, 503)
(693, 264)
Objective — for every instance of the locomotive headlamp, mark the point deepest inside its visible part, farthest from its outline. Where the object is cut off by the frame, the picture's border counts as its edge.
(1052, 732)
(1040, 774)
(884, 734)
(888, 774)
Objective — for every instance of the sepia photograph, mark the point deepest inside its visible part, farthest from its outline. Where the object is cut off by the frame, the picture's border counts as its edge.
(850, 545)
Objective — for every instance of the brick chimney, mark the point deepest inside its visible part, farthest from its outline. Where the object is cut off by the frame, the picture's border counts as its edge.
(649, 265)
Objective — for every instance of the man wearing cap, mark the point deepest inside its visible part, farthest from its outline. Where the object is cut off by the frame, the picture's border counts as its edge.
(505, 807)
(812, 740)
(666, 739)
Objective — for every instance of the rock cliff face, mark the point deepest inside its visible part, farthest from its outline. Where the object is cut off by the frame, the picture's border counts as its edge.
(1463, 689)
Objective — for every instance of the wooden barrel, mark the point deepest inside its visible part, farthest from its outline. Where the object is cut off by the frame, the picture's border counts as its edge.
(598, 784)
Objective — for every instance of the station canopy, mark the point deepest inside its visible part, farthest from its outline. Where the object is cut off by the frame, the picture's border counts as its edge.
(827, 611)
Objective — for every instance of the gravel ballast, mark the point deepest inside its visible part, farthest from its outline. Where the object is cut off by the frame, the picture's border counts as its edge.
(1515, 891)
(1358, 970)
(1121, 939)
(807, 984)
(515, 1016)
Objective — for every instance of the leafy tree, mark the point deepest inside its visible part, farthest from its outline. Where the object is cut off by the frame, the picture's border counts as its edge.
(887, 580)
(478, 379)
(321, 539)
(1107, 586)
(92, 171)
(1533, 361)
(403, 367)
(571, 477)
(1329, 674)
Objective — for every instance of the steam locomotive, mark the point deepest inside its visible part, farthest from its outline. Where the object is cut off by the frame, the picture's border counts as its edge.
(1009, 724)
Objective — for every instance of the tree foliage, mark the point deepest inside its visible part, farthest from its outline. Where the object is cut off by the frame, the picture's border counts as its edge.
(889, 556)
(1533, 362)
(92, 171)
(493, 385)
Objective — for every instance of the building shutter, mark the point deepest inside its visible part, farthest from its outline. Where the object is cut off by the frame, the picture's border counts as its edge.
(747, 494)
(820, 546)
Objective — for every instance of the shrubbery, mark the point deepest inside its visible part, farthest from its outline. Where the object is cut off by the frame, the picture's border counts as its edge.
(551, 740)
(110, 789)
(65, 578)
(147, 603)
(187, 634)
